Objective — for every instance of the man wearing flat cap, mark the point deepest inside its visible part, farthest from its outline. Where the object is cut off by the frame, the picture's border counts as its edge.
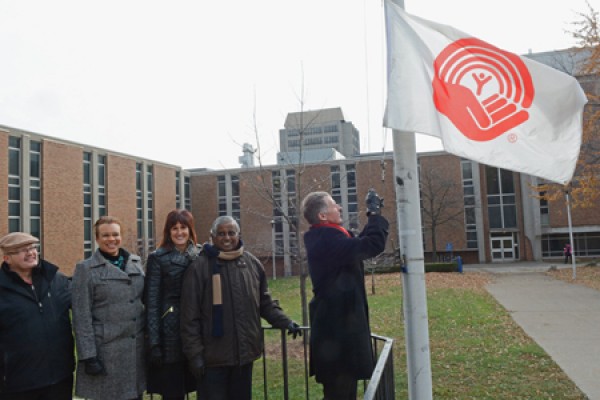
(36, 341)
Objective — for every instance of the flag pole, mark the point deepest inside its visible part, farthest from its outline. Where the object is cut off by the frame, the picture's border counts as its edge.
(573, 262)
(408, 211)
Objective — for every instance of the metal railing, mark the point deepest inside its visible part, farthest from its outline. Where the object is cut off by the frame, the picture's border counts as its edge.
(379, 387)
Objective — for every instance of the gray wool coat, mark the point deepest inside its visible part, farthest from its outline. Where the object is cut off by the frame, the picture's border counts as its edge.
(108, 320)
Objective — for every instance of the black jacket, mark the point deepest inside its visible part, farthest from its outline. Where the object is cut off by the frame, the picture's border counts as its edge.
(339, 315)
(36, 341)
(164, 277)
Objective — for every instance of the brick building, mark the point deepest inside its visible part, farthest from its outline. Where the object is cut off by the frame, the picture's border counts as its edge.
(56, 189)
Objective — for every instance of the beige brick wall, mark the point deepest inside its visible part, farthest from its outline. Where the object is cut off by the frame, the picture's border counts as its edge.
(203, 191)
(121, 201)
(256, 211)
(369, 175)
(442, 170)
(62, 204)
(164, 198)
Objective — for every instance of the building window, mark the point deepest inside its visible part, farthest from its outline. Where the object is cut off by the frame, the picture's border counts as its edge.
(290, 184)
(222, 194)
(186, 193)
(88, 236)
(101, 185)
(331, 139)
(35, 188)
(544, 208)
(277, 212)
(94, 196)
(139, 205)
(469, 203)
(343, 191)
(330, 128)
(14, 184)
(586, 244)
(235, 198)
(352, 204)
(228, 196)
(177, 189)
(313, 141)
(150, 206)
(502, 209)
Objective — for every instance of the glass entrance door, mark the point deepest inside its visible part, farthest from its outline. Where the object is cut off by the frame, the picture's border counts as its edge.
(503, 248)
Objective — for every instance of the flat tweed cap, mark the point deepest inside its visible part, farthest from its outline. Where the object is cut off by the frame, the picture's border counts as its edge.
(14, 240)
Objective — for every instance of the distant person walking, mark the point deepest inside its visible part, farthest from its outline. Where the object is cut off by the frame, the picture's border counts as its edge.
(568, 253)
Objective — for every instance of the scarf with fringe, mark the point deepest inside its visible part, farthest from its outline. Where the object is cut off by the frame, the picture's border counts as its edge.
(214, 255)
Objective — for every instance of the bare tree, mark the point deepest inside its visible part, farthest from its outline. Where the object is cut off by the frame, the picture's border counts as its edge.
(441, 202)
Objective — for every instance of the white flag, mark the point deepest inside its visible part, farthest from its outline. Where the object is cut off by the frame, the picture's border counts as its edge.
(486, 104)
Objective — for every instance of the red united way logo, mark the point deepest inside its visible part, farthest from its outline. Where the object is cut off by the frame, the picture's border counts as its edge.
(483, 90)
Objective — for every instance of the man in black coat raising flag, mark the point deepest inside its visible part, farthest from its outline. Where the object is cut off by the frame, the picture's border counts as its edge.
(340, 340)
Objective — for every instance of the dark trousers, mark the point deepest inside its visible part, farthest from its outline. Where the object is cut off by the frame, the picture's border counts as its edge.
(226, 383)
(342, 387)
(60, 391)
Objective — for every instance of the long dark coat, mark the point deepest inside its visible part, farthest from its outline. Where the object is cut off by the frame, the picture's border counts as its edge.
(164, 278)
(339, 315)
(36, 342)
(108, 320)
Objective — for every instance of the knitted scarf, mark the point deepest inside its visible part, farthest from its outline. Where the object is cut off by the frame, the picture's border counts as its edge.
(214, 255)
(330, 225)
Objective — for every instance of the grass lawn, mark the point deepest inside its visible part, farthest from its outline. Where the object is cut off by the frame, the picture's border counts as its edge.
(477, 351)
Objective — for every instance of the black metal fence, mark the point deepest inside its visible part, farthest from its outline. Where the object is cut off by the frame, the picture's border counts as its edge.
(379, 387)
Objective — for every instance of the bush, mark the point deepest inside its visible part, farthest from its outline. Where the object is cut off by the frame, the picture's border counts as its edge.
(442, 267)
(429, 267)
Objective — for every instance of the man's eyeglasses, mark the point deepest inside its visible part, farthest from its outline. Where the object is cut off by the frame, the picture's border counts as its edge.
(26, 250)
(230, 233)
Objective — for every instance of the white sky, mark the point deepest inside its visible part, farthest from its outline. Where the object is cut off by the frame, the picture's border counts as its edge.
(186, 81)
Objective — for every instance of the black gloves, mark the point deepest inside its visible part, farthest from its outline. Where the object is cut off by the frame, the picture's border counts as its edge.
(197, 367)
(94, 367)
(374, 203)
(156, 357)
(294, 330)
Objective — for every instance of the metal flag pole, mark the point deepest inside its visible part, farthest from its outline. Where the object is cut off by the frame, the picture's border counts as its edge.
(573, 262)
(408, 212)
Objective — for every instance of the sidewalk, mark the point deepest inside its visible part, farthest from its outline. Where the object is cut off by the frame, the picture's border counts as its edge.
(563, 318)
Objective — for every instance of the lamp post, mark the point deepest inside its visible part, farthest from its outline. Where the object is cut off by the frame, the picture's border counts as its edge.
(273, 247)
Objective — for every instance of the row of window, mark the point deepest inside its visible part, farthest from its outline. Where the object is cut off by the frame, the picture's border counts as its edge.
(314, 141)
(25, 193)
(314, 130)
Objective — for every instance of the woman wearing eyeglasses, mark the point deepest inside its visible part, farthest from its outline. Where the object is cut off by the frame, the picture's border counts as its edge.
(224, 296)
(36, 343)
(168, 373)
(108, 319)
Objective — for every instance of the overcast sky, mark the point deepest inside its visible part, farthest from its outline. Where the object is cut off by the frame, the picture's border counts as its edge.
(188, 82)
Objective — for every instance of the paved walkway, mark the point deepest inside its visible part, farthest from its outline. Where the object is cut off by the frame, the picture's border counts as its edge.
(563, 318)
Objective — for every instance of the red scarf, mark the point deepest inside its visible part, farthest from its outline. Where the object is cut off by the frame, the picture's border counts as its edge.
(330, 225)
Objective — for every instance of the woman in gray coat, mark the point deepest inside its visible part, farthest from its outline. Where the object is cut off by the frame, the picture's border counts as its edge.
(108, 319)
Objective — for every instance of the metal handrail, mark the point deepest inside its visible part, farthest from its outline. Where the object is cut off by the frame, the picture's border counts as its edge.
(380, 386)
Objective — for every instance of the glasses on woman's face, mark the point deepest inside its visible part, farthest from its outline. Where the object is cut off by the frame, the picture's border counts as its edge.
(229, 233)
(26, 250)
